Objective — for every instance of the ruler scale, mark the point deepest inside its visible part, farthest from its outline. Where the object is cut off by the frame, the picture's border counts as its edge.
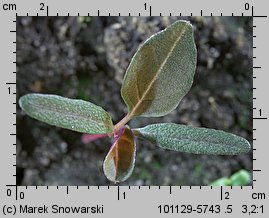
(134, 201)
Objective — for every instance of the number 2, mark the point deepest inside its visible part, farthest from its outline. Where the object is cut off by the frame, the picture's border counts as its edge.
(42, 6)
(226, 195)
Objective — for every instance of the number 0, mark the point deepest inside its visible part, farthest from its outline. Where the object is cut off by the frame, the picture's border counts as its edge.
(21, 195)
(8, 192)
(247, 6)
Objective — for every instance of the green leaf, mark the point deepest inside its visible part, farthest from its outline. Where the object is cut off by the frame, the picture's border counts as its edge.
(240, 178)
(120, 160)
(77, 115)
(161, 72)
(194, 140)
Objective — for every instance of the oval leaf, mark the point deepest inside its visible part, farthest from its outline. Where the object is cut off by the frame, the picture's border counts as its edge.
(161, 72)
(120, 160)
(77, 115)
(194, 140)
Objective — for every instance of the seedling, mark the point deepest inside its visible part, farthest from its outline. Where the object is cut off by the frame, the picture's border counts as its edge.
(239, 178)
(160, 74)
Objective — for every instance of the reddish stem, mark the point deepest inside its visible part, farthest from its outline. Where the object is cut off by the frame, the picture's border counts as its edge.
(121, 123)
(86, 138)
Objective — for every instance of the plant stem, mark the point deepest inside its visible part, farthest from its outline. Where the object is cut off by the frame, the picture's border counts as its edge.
(86, 138)
(121, 123)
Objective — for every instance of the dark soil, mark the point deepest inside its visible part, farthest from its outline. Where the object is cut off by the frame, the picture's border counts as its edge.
(86, 58)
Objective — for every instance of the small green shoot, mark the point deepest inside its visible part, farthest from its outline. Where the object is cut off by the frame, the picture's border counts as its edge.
(240, 178)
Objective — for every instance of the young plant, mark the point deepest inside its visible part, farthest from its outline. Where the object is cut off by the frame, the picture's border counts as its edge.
(160, 74)
(240, 178)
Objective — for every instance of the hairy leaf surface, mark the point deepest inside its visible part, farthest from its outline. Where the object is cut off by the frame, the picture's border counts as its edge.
(120, 160)
(161, 72)
(77, 115)
(194, 140)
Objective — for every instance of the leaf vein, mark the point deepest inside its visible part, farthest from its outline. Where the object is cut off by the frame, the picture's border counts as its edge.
(157, 74)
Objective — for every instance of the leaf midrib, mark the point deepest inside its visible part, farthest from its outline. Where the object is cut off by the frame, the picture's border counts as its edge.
(132, 113)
